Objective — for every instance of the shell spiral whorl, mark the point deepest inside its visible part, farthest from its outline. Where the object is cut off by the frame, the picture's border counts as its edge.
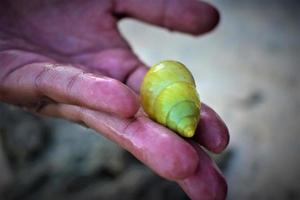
(169, 97)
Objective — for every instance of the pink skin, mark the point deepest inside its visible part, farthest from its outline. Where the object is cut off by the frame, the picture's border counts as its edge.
(209, 127)
(67, 59)
(207, 182)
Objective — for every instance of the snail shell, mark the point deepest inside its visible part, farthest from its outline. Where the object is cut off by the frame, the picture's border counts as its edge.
(169, 97)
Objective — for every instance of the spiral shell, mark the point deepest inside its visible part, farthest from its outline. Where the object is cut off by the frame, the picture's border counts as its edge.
(169, 97)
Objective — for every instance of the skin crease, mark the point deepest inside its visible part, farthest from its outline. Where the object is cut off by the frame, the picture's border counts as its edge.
(67, 59)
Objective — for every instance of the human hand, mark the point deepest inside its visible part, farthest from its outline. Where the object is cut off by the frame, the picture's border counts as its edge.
(67, 59)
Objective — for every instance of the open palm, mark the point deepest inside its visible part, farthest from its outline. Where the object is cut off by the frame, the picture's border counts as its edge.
(67, 59)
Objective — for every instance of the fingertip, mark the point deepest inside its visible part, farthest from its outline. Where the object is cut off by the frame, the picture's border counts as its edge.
(203, 18)
(210, 18)
(223, 140)
(129, 105)
(185, 162)
(135, 79)
(212, 132)
(197, 17)
(180, 164)
(121, 100)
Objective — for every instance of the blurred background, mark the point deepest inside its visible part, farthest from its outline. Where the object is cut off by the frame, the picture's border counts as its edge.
(247, 69)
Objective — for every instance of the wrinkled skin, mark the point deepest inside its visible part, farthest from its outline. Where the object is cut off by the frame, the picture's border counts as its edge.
(67, 59)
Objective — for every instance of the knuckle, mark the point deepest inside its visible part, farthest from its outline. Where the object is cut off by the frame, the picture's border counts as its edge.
(72, 80)
(39, 78)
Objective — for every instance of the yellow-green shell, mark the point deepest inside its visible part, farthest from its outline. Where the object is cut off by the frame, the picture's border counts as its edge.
(169, 96)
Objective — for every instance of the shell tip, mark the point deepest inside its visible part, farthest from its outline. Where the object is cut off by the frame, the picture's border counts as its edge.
(189, 131)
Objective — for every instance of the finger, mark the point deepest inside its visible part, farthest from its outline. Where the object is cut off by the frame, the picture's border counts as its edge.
(120, 64)
(163, 151)
(207, 182)
(190, 16)
(30, 84)
(136, 77)
(211, 132)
